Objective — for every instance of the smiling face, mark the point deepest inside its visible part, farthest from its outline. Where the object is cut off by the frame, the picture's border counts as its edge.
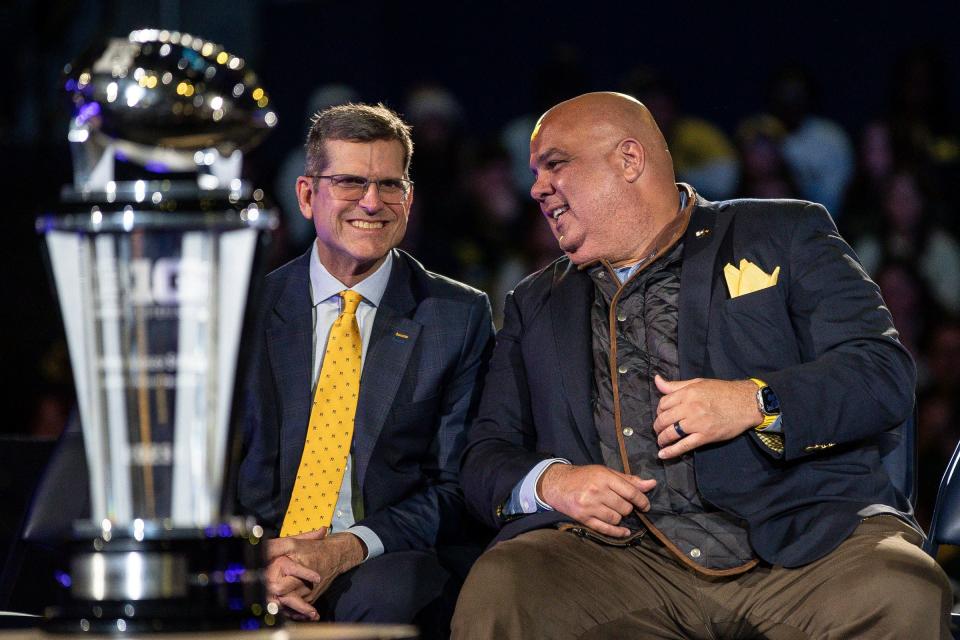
(575, 182)
(604, 179)
(354, 237)
(586, 173)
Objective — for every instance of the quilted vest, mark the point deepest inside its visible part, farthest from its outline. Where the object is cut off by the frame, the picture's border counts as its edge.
(641, 316)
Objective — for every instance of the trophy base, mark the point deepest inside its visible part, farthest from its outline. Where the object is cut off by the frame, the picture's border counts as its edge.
(171, 580)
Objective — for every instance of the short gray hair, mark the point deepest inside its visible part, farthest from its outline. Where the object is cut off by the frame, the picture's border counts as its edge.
(355, 123)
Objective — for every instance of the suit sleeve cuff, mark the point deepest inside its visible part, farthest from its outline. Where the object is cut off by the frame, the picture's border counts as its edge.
(369, 538)
(776, 426)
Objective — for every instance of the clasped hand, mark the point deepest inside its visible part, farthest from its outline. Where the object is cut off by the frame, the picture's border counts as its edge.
(300, 568)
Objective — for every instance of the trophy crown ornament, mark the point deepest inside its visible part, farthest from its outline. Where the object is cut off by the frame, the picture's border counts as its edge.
(168, 102)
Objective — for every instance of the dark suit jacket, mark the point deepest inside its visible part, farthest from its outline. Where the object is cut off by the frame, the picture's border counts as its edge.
(418, 390)
(821, 338)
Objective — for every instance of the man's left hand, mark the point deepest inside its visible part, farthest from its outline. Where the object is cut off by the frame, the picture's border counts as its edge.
(708, 410)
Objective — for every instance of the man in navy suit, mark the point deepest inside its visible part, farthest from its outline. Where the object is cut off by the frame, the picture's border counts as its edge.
(680, 430)
(396, 543)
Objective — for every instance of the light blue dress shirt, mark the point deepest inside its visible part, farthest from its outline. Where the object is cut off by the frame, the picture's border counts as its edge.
(324, 293)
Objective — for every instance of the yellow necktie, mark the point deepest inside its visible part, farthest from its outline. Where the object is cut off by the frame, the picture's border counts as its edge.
(330, 430)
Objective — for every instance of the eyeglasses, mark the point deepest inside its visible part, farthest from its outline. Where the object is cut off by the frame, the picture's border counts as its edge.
(347, 187)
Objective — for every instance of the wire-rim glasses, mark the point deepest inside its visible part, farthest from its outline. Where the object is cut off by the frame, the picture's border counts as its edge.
(349, 187)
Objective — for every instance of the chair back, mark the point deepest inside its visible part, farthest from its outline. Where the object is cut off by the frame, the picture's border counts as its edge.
(945, 523)
(60, 495)
(22, 462)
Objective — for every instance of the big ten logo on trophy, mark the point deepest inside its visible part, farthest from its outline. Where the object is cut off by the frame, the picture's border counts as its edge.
(167, 281)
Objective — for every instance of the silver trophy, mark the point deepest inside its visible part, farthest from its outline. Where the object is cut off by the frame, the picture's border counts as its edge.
(152, 253)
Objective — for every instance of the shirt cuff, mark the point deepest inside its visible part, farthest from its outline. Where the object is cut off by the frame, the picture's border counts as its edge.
(369, 538)
(524, 499)
(776, 426)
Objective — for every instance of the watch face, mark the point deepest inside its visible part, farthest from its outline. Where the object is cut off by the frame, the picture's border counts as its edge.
(771, 403)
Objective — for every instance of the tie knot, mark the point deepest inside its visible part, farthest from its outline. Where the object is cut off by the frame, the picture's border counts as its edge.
(351, 300)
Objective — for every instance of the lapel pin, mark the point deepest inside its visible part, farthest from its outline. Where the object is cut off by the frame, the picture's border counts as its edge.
(702, 232)
(401, 336)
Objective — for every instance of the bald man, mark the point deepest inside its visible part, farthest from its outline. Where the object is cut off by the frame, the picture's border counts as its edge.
(679, 431)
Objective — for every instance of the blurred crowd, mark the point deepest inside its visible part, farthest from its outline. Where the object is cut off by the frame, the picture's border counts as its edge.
(886, 185)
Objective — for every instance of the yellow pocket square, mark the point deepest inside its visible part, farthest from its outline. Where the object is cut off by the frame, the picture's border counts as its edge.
(748, 278)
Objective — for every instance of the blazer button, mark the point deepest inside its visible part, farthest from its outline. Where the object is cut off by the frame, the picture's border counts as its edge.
(622, 368)
(627, 431)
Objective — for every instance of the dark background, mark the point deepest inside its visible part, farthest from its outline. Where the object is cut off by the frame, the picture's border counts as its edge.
(720, 57)
(497, 58)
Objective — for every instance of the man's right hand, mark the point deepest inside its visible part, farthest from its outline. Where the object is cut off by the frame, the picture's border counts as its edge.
(594, 495)
(289, 583)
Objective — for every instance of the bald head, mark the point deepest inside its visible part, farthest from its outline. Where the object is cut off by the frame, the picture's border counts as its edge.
(610, 117)
(604, 177)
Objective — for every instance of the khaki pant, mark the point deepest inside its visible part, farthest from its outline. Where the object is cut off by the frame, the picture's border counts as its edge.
(554, 584)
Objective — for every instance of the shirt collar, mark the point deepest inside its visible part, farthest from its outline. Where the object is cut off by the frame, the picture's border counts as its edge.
(323, 285)
(624, 273)
(685, 201)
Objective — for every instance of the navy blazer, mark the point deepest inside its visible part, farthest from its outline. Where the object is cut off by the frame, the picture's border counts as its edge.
(822, 338)
(419, 388)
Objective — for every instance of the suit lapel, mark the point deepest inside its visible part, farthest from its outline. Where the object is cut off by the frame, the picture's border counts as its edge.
(702, 241)
(290, 345)
(570, 303)
(392, 340)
